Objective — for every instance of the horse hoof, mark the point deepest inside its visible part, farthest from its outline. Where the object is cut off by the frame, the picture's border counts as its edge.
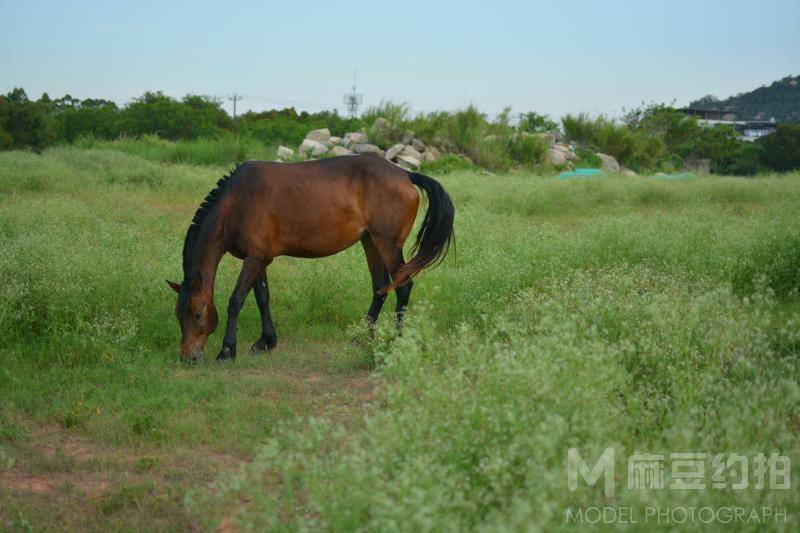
(226, 354)
(265, 345)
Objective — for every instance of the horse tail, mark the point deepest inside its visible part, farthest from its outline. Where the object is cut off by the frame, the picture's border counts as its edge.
(435, 234)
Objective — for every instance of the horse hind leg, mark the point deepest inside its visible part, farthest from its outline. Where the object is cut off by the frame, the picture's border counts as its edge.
(392, 256)
(380, 279)
(269, 338)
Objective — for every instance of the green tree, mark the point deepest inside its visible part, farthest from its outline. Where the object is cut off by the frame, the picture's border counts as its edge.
(781, 150)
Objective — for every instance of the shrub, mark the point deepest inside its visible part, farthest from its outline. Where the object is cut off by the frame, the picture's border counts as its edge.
(781, 150)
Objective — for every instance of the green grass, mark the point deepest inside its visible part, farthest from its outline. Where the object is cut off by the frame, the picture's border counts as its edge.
(646, 315)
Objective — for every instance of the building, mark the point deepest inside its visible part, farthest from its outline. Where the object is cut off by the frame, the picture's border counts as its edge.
(748, 130)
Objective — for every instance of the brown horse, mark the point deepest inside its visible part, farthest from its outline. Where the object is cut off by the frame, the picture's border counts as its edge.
(311, 209)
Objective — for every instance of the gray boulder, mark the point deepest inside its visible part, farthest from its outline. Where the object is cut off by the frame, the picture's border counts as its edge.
(418, 145)
(341, 150)
(335, 140)
(393, 152)
(353, 138)
(411, 152)
(321, 135)
(628, 173)
(285, 153)
(609, 163)
(365, 148)
(408, 136)
(380, 128)
(311, 147)
(408, 162)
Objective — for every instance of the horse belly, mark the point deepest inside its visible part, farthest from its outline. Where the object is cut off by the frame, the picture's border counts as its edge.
(320, 236)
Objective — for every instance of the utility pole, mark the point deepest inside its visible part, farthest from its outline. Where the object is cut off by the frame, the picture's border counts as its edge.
(235, 98)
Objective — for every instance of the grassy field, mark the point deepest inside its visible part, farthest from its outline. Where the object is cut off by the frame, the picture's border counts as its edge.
(646, 315)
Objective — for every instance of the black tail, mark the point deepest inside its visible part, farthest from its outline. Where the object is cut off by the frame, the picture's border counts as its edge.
(435, 234)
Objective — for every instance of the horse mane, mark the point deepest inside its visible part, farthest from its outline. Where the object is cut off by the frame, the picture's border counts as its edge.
(206, 207)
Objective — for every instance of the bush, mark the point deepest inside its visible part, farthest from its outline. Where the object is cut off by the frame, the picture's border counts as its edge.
(781, 150)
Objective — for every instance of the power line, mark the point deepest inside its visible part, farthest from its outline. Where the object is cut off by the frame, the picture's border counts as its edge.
(235, 98)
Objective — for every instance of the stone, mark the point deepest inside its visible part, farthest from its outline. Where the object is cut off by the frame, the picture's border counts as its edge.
(394, 151)
(556, 157)
(341, 150)
(321, 135)
(549, 138)
(411, 152)
(407, 137)
(365, 148)
(628, 173)
(279, 160)
(285, 153)
(560, 147)
(609, 163)
(418, 145)
(314, 148)
(380, 128)
(351, 139)
(428, 157)
(335, 140)
(433, 151)
(408, 162)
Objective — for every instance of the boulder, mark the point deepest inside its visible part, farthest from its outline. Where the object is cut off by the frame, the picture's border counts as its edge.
(428, 157)
(285, 153)
(609, 163)
(628, 172)
(313, 148)
(365, 148)
(560, 147)
(418, 145)
(321, 135)
(380, 128)
(433, 151)
(556, 157)
(335, 140)
(341, 150)
(353, 138)
(408, 162)
(408, 136)
(394, 151)
(411, 152)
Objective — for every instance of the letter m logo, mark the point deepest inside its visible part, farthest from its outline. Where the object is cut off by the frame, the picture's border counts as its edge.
(605, 467)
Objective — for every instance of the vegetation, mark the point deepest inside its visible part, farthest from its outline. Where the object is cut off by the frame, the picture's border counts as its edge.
(779, 100)
(645, 315)
(654, 137)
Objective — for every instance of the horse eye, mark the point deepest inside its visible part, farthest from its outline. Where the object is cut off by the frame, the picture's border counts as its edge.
(198, 316)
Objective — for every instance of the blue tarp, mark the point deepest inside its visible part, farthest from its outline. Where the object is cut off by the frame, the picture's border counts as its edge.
(582, 173)
(685, 176)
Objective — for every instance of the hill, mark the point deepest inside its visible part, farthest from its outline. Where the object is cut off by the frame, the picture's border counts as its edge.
(781, 100)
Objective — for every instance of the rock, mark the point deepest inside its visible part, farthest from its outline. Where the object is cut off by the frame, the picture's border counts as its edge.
(408, 136)
(394, 151)
(279, 160)
(285, 153)
(411, 152)
(609, 163)
(418, 145)
(341, 150)
(321, 135)
(556, 157)
(380, 128)
(549, 138)
(660, 175)
(351, 139)
(335, 140)
(314, 148)
(408, 162)
(364, 148)
(628, 173)
(560, 147)
(433, 151)
(428, 157)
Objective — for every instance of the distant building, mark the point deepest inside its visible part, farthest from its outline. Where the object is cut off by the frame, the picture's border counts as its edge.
(748, 130)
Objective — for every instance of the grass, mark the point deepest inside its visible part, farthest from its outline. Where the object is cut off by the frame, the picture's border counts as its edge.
(645, 315)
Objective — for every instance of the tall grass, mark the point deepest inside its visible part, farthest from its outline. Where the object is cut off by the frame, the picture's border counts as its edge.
(644, 315)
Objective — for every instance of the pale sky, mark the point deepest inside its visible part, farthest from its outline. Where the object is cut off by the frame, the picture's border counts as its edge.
(550, 57)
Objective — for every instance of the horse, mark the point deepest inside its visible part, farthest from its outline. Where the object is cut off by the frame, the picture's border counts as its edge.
(263, 210)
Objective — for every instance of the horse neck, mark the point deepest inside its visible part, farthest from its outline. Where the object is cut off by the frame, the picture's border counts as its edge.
(208, 253)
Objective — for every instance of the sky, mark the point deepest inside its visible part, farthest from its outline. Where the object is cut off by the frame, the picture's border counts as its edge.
(550, 57)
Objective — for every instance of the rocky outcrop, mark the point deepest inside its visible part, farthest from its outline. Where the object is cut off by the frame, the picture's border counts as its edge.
(609, 163)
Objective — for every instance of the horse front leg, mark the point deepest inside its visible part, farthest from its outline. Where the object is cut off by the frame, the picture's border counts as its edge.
(251, 269)
(269, 339)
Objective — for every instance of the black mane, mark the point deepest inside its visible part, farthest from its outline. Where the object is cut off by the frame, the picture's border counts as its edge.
(190, 243)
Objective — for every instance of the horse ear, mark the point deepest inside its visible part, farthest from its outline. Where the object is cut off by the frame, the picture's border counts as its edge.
(175, 286)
